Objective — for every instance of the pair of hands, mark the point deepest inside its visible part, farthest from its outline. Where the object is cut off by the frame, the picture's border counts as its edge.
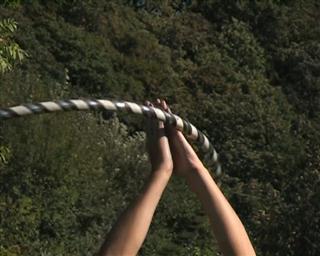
(168, 149)
(169, 153)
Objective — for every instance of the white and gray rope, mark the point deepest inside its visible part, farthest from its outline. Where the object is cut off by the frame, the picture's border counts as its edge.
(101, 104)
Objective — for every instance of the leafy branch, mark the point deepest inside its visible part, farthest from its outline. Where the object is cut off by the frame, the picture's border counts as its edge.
(10, 51)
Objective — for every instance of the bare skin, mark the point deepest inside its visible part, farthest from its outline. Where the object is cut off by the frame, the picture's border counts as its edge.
(129, 232)
(170, 152)
(230, 233)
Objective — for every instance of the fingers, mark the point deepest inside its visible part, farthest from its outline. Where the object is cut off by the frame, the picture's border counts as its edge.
(158, 104)
(162, 104)
(155, 128)
(170, 129)
(165, 107)
(148, 121)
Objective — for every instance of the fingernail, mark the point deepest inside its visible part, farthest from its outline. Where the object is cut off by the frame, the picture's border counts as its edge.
(164, 105)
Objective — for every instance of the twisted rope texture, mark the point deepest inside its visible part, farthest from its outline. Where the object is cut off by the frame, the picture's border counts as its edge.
(101, 104)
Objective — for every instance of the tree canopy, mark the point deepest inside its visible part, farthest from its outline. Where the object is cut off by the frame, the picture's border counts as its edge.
(245, 72)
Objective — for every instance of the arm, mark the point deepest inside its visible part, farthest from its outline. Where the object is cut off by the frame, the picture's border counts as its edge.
(129, 232)
(230, 233)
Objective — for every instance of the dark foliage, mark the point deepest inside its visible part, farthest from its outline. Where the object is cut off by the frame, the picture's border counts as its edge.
(245, 72)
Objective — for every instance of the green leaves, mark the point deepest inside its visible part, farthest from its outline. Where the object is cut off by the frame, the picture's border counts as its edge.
(4, 155)
(245, 72)
(10, 52)
(8, 26)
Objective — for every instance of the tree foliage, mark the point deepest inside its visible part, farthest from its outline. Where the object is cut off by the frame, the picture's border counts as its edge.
(10, 51)
(245, 72)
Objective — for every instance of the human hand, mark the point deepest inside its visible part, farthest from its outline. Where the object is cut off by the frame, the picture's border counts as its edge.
(158, 145)
(185, 159)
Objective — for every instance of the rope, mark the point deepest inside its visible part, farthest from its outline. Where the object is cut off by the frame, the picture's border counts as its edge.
(100, 104)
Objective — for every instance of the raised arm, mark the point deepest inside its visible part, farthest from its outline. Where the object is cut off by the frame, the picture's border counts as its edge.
(231, 235)
(129, 232)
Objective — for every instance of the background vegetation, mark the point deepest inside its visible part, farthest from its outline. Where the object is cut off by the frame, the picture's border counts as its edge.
(246, 72)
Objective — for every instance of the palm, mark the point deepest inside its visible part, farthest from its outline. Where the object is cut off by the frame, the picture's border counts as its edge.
(158, 145)
(184, 157)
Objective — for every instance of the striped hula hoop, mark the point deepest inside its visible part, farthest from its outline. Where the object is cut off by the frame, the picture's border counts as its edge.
(125, 106)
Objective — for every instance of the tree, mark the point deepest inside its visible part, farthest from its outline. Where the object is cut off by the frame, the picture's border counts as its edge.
(10, 51)
(245, 72)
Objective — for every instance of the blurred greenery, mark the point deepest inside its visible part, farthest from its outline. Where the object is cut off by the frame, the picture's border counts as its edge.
(245, 72)
(10, 51)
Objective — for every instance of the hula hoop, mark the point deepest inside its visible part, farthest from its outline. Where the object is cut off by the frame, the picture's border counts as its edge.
(125, 106)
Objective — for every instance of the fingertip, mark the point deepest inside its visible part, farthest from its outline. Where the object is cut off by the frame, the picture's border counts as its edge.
(164, 105)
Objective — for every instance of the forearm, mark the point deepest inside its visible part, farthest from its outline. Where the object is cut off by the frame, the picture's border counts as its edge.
(130, 230)
(227, 227)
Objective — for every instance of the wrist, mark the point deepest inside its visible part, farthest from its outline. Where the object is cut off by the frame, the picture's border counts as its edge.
(195, 173)
(162, 173)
